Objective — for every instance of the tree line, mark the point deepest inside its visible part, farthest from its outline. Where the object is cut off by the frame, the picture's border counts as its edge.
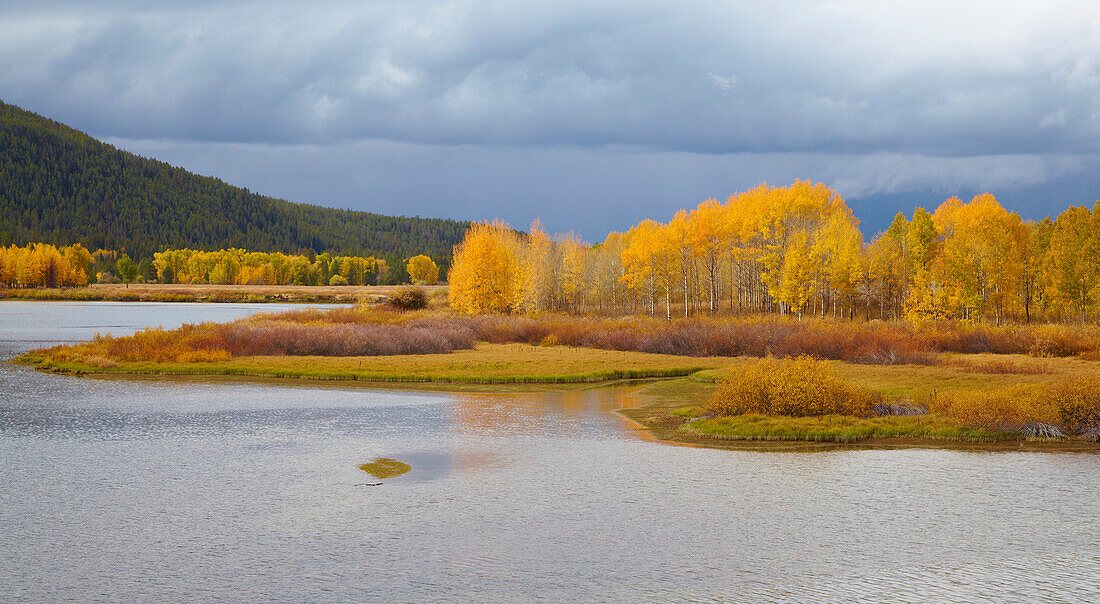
(796, 250)
(61, 186)
(241, 267)
(45, 265)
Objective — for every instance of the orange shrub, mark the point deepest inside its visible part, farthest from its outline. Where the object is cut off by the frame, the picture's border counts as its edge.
(798, 387)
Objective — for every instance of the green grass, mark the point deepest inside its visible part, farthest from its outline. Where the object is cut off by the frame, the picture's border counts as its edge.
(485, 364)
(838, 428)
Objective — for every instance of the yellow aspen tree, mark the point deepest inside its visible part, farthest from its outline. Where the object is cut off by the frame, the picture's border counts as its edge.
(483, 275)
(423, 270)
(638, 260)
(1072, 268)
(795, 283)
(573, 271)
(679, 235)
(709, 236)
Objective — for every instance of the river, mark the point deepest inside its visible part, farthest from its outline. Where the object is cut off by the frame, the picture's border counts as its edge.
(145, 490)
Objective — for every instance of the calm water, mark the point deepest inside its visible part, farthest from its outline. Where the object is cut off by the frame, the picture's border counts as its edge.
(153, 491)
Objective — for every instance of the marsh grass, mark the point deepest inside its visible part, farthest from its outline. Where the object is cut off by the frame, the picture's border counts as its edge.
(381, 331)
(998, 366)
(485, 364)
(839, 428)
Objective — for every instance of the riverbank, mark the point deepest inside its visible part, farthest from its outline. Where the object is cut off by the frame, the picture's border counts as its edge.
(167, 292)
(379, 345)
(672, 412)
(668, 408)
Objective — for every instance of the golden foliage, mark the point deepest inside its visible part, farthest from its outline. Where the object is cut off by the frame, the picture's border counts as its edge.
(798, 249)
(485, 274)
(423, 270)
(43, 265)
(798, 387)
(241, 267)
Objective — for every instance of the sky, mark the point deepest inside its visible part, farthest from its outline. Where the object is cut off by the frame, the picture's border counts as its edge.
(589, 115)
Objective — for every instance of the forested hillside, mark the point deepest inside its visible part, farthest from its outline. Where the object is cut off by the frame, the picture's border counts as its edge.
(61, 186)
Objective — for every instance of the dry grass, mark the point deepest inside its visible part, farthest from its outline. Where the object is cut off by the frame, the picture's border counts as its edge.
(997, 366)
(487, 363)
(373, 330)
(874, 343)
(952, 374)
(838, 428)
(1008, 409)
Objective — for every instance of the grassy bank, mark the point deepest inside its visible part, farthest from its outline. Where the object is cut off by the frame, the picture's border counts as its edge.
(158, 292)
(484, 364)
(968, 408)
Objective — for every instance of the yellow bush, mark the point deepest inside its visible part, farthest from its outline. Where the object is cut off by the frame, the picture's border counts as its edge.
(1078, 404)
(798, 388)
(1008, 408)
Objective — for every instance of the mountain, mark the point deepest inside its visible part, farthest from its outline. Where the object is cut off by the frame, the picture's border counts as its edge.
(61, 186)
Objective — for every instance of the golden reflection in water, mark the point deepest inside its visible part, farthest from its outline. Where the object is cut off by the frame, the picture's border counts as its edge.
(499, 412)
(572, 404)
(531, 413)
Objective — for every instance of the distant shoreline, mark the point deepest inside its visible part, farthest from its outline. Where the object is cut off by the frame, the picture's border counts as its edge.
(204, 293)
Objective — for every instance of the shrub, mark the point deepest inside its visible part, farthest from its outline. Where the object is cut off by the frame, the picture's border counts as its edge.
(799, 387)
(1074, 405)
(277, 338)
(1078, 404)
(338, 280)
(409, 298)
(1008, 409)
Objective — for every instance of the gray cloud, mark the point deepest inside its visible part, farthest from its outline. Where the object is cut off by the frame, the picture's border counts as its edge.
(938, 79)
(588, 114)
(594, 190)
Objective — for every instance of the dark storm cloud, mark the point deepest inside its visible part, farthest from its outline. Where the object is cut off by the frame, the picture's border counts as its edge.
(699, 77)
(936, 97)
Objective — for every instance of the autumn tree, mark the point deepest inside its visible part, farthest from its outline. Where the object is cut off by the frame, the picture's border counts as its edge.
(423, 270)
(1072, 264)
(484, 275)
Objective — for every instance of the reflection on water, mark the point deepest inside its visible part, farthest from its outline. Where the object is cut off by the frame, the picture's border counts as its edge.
(145, 490)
